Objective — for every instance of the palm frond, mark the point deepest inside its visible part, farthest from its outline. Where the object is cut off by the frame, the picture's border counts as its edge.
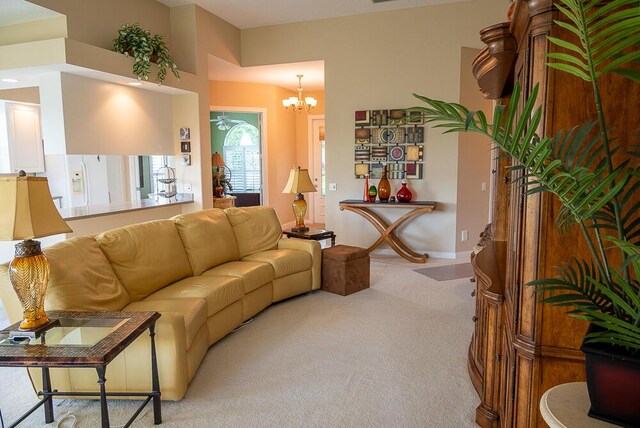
(605, 34)
(556, 163)
(578, 281)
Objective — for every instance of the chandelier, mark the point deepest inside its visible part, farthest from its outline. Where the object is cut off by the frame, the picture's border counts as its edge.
(299, 103)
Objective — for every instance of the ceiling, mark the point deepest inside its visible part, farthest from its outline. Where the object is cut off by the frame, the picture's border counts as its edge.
(260, 13)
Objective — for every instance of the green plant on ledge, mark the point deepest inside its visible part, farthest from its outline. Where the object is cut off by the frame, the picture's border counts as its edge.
(145, 49)
(598, 192)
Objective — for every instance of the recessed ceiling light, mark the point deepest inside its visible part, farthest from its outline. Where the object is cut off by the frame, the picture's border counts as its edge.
(10, 80)
(134, 83)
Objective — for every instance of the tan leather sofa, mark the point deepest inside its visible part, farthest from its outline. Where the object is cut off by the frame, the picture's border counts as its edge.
(205, 272)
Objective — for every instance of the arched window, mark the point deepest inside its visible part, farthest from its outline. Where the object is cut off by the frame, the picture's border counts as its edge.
(241, 153)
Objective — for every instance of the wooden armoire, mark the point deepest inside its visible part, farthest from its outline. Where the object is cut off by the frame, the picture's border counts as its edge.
(520, 347)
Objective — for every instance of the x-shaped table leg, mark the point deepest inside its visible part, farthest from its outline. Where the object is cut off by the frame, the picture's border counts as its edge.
(386, 231)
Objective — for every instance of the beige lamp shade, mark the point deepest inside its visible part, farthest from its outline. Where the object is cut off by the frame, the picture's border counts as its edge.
(299, 181)
(27, 210)
(216, 160)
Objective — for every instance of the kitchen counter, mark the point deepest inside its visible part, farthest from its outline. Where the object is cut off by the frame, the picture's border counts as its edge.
(77, 213)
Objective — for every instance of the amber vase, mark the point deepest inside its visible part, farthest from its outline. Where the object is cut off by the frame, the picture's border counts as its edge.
(384, 187)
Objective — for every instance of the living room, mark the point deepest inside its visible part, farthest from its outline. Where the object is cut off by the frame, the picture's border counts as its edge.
(374, 58)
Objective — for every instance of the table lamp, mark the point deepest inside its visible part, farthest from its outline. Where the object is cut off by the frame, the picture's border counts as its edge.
(217, 161)
(27, 211)
(298, 183)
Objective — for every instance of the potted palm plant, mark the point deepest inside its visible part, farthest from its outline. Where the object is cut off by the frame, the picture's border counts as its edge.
(598, 191)
(145, 49)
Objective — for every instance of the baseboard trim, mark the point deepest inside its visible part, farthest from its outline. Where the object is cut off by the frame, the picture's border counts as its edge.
(463, 254)
(433, 254)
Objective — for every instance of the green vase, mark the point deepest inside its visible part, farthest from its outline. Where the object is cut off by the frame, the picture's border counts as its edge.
(373, 192)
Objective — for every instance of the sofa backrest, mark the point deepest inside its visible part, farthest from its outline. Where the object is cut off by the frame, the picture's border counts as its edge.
(208, 238)
(81, 278)
(256, 229)
(146, 256)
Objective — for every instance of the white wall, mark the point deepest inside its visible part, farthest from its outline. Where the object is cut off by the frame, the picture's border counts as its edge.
(87, 116)
(376, 61)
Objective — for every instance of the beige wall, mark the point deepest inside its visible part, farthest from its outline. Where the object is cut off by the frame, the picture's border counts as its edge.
(43, 29)
(214, 37)
(376, 61)
(96, 22)
(285, 143)
(23, 95)
(474, 162)
(87, 116)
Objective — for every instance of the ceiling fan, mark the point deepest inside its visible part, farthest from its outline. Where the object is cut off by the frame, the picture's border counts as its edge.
(225, 123)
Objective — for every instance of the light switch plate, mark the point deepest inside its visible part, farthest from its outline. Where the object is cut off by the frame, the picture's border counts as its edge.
(333, 186)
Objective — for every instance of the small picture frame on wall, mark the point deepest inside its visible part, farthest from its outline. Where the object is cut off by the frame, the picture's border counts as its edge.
(185, 147)
(185, 134)
(186, 159)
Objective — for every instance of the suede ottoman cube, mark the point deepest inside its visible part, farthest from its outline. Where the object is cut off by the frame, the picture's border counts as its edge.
(345, 269)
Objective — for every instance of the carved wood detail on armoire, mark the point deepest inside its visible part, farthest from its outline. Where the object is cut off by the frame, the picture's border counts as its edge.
(520, 347)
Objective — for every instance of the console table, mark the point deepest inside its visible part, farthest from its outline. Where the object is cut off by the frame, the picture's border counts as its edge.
(82, 339)
(386, 230)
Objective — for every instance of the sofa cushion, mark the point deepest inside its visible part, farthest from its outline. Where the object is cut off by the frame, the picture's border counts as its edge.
(256, 229)
(146, 256)
(81, 278)
(253, 274)
(218, 291)
(284, 262)
(192, 310)
(207, 237)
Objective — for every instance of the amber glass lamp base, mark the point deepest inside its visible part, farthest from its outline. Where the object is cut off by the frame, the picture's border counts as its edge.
(29, 275)
(299, 210)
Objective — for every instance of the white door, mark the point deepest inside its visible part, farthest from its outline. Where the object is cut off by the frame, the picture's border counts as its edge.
(25, 142)
(317, 167)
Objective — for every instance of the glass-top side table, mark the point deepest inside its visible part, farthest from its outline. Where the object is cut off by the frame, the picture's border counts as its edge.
(81, 339)
(312, 234)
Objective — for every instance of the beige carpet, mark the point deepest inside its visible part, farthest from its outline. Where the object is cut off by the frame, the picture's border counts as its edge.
(390, 356)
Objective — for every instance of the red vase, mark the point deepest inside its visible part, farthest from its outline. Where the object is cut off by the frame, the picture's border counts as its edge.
(404, 194)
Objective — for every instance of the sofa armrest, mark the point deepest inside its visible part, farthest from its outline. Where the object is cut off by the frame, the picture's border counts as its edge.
(172, 355)
(311, 247)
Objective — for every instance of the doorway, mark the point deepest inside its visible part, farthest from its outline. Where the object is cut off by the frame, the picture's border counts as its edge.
(317, 168)
(237, 135)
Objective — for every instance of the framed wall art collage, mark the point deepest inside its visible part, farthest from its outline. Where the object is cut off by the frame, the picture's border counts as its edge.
(392, 137)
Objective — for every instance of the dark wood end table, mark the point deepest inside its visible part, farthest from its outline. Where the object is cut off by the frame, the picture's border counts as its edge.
(314, 234)
(110, 333)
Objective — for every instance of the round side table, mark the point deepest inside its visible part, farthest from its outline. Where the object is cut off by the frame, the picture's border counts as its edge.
(566, 406)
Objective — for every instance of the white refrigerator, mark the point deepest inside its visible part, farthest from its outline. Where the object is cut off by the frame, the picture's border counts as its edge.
(86, 180)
